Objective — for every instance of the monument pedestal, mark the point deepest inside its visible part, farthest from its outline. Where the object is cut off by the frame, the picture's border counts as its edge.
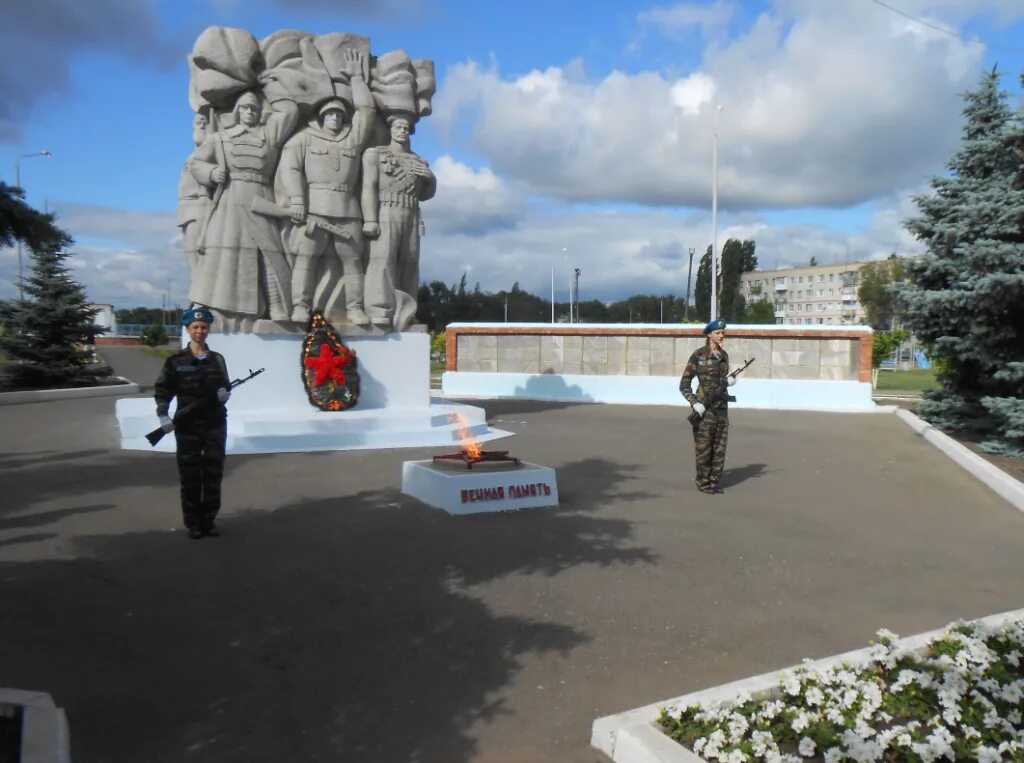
(272, 414)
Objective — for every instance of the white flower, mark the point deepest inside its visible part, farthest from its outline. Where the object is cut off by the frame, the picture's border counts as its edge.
(835, 715)
(800, 722)
(806, 747)
(849, 697)
(886, 635)
(941, 743)
(738, 726)
(762, 742)
(814, 696)
(736, 756)
(1013, 658)
(1012, 693)
(833, 755)
(791, 683)
(987, 755)
(1014, 717)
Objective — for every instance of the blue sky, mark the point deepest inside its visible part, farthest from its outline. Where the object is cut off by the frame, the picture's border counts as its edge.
(565, 134)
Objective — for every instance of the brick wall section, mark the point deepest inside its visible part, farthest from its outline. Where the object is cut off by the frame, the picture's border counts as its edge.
(656, 351)
(108, 340)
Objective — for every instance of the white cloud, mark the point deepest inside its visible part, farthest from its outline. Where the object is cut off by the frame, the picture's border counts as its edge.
(123, 258)
(470, 201)
(825, 104)
(671, 20)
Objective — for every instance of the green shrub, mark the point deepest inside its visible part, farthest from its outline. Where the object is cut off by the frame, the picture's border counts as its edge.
(154, 335)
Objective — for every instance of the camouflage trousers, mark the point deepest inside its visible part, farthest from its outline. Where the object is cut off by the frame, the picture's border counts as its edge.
(201, 468)
(710, 438)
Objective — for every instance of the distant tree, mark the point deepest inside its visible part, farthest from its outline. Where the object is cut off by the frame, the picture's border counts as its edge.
(965, 295)
(49, 332)
(737, 258)
(143, 316)
(876, 291)
(702, 289)
(760, 312)
(813, 263)
(154, 334)
(885, 343)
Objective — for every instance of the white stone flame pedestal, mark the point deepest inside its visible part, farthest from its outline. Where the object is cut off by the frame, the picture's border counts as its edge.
(488, 486)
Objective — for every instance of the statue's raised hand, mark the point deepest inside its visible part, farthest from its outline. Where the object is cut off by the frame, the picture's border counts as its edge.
(352, 63)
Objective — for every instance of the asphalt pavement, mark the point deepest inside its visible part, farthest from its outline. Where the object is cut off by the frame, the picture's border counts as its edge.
(339, 620)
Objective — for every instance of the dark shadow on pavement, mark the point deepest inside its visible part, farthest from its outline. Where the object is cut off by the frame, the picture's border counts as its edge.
(332, 629)
(737, 474)
(46, 517)
(19, 460)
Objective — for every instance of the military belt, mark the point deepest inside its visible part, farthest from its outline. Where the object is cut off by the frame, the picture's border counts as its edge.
(332, 187)
(391, 199)
(249, 177)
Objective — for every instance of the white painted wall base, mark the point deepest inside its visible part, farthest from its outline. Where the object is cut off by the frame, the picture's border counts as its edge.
(790, 394)
(484, 488)
(272, 414)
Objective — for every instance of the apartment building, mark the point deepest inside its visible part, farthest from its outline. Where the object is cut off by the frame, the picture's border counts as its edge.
(815, 295)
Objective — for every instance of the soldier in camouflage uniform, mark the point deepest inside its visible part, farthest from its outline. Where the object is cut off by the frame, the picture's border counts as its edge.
(197, 373)
(710, 365)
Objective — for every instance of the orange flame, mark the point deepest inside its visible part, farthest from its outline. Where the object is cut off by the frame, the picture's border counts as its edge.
(470, 445)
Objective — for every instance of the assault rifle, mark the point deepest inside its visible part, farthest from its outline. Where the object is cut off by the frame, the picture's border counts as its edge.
(158, 434)
(716, 397)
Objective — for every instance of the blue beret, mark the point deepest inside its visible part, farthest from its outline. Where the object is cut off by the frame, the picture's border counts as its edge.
(715, 325)
(196, 313)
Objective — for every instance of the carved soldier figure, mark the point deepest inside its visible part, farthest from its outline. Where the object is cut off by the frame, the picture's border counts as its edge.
(240, 249)
(395, 181)
(193, 199)
(319, 174)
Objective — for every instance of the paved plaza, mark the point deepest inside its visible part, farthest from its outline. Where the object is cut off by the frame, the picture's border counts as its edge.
(339, 620)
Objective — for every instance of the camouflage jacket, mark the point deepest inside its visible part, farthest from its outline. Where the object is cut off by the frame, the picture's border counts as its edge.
(188, 378)
(711, 372)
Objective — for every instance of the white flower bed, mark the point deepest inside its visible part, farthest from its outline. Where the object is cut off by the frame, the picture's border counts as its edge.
(959, 697)
(949, 694)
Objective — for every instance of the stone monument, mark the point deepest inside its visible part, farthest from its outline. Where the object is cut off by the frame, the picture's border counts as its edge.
(300, 215)
(310, 189)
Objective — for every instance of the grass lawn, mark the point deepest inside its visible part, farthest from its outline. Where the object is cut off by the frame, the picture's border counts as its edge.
(915, 380)
(161, 352)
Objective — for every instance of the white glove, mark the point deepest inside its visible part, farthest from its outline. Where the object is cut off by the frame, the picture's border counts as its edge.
(732, 380)
(699, 408)
(167, 424)
(223, 394)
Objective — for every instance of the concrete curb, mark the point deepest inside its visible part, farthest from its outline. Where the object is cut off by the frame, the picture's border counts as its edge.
(45, 395)
(44, 727)
(995, 478)
(635, 737)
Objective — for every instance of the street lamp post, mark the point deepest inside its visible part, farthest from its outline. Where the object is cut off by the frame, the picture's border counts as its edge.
(689, 277)
(552, 293)
(17, 182)
(577, 270)
(714, 220)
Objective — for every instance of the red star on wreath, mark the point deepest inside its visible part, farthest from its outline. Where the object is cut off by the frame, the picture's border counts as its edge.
(328, 365)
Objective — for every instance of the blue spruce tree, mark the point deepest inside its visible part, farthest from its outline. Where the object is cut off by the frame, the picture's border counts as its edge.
(965, 296)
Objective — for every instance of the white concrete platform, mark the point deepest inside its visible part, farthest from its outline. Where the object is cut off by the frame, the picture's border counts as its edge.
(45, 737)
(784, 394)
(487, 487)
(272, 414)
